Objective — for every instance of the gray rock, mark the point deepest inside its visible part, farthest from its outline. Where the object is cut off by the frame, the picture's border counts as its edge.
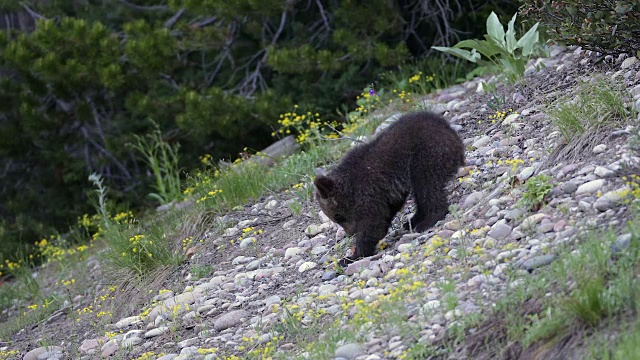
(306, 266)
(88, 345)
(357, 266)
(526, 173)
(473, 199)
(230, 319)
(500, 230)
(273, 299)
(293, 251)
(168, 357)
(622, 242)
(514, 214)
(590, 187)
(313, 230)
(109, 348)
(629, 62)
(156, 332)
(254, 264)
(246, 242)
(484, 140)
(188, 342)
(327, 289)
(537, 262)
(328, 275)
(349, 351)
(130, 342)
(599, 149)
(603, 172)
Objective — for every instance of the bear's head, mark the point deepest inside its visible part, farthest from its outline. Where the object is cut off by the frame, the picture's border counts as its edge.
(334, 202)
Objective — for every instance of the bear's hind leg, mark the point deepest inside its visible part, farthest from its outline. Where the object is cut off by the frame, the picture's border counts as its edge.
(431, 207)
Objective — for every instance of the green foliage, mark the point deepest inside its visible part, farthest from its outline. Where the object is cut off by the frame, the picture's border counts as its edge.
(499, 47)
(536, 188)
(81, 83)
(607, 26)
(592, 285)
(594, 104)
(162, 158)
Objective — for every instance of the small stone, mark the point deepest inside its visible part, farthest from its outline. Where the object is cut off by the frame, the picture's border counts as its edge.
(526, 173)
(231, 231)
(559, 226)
(239, 260)
(357, 266)
(320, 249)
(35, 353)
(404, 248)
(156, 332)
(473, 199)
(349, 351)
(500, 230)
(602, 172)
(108, 349)
(229, 319)
(307, 266)
(514, 214)
(293, 251)
(131, 342)
(569, 187)
(271, 204)
(328, 275)
(510, 119)
(128, 321)
(505, 255)
(537, 262)
(247, 241)
(599, 149)
(326, 289)
(313, 230)
(168, 357)
(273, 299)
(622, 242)
(629, 62)
(611, 199)
(481, 142)
(590, 187)
(531, 221)
(88, 345)
(431, 305)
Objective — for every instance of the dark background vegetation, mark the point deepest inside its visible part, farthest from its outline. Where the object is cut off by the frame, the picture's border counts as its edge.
(80, 78)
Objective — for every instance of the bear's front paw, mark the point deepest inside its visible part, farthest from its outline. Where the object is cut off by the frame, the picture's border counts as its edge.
(345, 261)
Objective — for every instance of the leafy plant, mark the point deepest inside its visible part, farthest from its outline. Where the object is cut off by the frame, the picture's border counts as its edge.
(163, 160)
(499, 47)
(536, 189)
(592, 105)
(606, 26)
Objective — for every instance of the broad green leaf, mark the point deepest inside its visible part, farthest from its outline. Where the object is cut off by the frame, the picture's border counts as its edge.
(488, 49)
(514, 67)
(495, 29)
(511, 35)
(472, 56)
(529, 40)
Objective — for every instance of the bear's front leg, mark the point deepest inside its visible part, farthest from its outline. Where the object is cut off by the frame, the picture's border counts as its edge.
(364, 242)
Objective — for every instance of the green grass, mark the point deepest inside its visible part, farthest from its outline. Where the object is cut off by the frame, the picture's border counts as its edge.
(594, 104)
(426, 74)
(535, 190)
(586, 288)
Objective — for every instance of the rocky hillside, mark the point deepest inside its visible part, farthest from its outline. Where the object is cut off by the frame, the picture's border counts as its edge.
(534, 189)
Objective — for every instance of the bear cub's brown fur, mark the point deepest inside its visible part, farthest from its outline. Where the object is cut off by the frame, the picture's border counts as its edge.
(418, 153)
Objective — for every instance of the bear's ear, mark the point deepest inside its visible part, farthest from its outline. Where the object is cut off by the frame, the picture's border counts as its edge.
(325, 186)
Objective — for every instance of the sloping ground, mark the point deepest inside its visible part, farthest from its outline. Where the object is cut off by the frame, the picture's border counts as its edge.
(274, 291)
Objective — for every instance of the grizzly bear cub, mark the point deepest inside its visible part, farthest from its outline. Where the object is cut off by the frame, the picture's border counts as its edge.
(418, 153)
